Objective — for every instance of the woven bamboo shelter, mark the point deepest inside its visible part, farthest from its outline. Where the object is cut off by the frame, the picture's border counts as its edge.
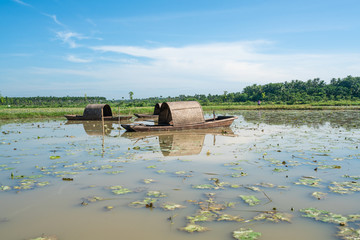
(93, 111)
(157, 109)
(181, 113)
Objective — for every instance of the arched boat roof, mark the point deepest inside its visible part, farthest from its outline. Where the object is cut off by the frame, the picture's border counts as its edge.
(93, 111)
(181, 113)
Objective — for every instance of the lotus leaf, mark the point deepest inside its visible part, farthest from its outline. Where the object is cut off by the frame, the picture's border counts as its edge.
(161, 171)
(171, 206)
(236, 175)
(309, 181)
(45, 237)
(348, 233)
(255, 189)
(227, 217)
(280, 170)
(54, 157)
(42, 184)
(319, 195)
(205, 186)
(235, 186)
(246, 234)
(149, 180)
(268, 185)
(345, 187)
(5, 188)
(156, 194)
(180, 172)
(324, 216)
(152, 166)
(274, 216)
(143, 203)
(237, 168)
(120, 190)
(194, 228)
(353, 217)
(202, 216)
(115, 172)
(250, 199)
(353, 177)
(329, 167)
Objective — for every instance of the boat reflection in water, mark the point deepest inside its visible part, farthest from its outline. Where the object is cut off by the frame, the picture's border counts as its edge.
(94, 128)
(180, 143)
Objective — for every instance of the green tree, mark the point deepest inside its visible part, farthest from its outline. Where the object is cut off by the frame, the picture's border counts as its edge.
(131, 94)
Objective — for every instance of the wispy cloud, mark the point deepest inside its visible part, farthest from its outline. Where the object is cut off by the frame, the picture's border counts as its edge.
(70, 38)
(22, 3)
(72, 58)
(53, 17)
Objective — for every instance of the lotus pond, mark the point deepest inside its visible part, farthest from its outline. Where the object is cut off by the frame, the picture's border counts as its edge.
(272, 175)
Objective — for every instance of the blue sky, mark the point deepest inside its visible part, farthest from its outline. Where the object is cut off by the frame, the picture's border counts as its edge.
(171, 47)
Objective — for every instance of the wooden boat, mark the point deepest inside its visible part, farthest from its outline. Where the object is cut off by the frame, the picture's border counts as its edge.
(181, 116)
(95, 111)
(154, 115)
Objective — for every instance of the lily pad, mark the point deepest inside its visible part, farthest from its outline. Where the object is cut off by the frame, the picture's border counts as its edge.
(309, 181)
(143, 203)
(194, 228)
(149, 180)
(202, 216)
(228, 217)
(119, 190)
(156, 194)
(348, 233)
(274, 216)
(319, 195)
(246, 234)
(5, 188)
(345, 187)
(250, 199)
(171, 206)
(324, 216)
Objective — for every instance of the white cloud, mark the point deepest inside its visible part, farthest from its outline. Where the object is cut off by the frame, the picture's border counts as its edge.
(70, 38)
(22, 3)
(202, 69)
(72, 58)
(54, 18)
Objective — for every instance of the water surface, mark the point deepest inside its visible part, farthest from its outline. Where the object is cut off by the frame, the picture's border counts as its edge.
(63, 179)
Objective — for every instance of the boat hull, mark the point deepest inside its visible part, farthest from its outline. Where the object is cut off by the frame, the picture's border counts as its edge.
(220, 121)
(107, 118)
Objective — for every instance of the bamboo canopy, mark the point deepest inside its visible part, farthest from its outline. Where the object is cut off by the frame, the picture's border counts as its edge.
(93, 111)
(157, 109)
(181, 113)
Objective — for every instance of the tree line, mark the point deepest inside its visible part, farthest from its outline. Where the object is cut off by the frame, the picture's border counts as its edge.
(293, 92)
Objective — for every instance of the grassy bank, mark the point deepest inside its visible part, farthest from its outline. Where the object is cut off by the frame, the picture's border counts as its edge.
(21, 113)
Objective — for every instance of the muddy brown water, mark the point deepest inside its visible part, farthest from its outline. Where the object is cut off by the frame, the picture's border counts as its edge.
(56, 177)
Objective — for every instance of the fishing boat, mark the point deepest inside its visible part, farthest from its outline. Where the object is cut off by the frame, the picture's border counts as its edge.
(181, 116)
(96, 112)
(154, 115)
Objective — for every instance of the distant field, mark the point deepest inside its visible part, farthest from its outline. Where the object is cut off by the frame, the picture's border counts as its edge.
(20, 113)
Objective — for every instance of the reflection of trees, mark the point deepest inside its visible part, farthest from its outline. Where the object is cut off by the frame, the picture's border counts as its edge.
(349, 119)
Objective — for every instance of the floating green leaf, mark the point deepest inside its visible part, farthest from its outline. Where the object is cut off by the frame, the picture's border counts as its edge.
(156, 194)
(119, 190)
(149, 180)
(250, 199)
(54, 157)
(5, 188)
(345, 187)
(194, 228)
(348, 233)
(228, 217)
(274, 216)
(324, 216)
(202, 216)
(319, 195)
(246, 234)
(143, 203)
(171, 206)
(309, 181)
